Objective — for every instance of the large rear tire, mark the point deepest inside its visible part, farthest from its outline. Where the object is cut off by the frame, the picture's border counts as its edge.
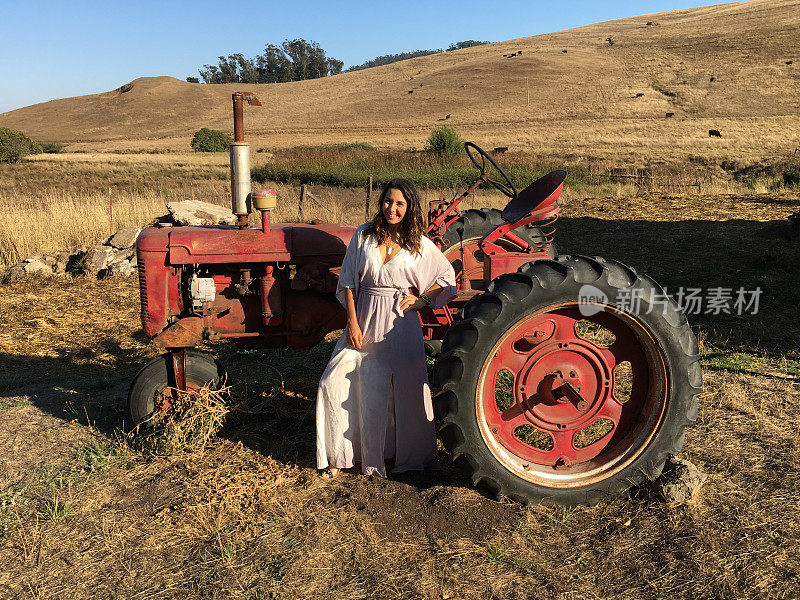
(539, 410)
(469, 228)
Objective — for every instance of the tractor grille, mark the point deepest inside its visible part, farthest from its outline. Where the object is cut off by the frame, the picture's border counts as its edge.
(143, 291)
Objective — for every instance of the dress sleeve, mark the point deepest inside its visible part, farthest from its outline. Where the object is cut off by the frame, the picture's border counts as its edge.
(350, 274)
(435, 269)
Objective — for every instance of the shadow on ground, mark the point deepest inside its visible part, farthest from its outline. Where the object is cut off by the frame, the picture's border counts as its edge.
(703, 254)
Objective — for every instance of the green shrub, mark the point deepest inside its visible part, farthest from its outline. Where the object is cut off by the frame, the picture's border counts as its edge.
(444, 142)
(15, 144)
(52, 147)
(211, 140)
(791, 176)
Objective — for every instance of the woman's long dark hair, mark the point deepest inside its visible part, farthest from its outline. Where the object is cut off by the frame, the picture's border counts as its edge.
(412, 225)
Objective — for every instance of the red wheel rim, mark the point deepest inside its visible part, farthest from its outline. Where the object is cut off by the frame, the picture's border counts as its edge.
(564, 386)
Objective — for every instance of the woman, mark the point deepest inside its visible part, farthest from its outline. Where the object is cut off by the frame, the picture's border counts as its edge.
(373, 401)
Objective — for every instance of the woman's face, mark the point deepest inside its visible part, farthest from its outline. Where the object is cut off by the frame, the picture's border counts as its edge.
(394, 206)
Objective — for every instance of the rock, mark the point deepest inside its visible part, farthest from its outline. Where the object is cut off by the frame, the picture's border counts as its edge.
(679, 481)
(122, 267)
(124, 238)
(97, 258)
(62, 260)
(195, 212)
(37, 266)
(13, 274)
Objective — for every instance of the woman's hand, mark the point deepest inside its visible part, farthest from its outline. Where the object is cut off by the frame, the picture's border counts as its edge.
(354, 335)
(412, 302)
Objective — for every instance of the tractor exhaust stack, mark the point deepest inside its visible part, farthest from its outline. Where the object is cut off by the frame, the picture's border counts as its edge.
(240, 159)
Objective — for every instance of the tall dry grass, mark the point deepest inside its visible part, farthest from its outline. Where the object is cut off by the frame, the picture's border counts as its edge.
(56, 222)
(60, 202)
(36, 217)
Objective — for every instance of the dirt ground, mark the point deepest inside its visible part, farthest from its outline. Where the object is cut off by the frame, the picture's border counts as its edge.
(83, 515)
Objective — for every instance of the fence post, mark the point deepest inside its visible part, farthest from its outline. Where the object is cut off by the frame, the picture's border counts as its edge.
(528, 91)
(368, 201)
(302, 199)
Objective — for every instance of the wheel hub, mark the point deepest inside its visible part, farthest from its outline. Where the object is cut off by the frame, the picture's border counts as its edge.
(562, 385)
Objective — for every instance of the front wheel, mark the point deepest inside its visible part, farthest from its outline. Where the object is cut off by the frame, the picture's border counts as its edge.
(463, 235)
(151, 394)
(555, 388)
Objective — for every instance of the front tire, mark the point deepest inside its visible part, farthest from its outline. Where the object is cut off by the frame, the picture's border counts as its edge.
(539, 411)
(150, 390)
(468, 230)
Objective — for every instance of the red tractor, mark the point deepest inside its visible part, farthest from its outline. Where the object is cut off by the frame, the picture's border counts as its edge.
(562, 379)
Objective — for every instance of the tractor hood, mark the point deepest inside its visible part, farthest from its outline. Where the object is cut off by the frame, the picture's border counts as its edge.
(284, 242)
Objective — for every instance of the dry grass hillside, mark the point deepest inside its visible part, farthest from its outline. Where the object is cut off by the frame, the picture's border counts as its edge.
(732, 67)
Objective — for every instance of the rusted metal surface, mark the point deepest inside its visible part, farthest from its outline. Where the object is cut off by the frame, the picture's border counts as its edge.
(264, 201)
(315, 276)
(182, 334)
(159, 285)
(442, 212)
(276, 283)
(285, 242)
(535, 198)
(271, 306)
(240, 160)
(179, 369)
(239, 98)
(498, 263)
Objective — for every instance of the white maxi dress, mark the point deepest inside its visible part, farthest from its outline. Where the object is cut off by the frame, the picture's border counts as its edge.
(375, 403)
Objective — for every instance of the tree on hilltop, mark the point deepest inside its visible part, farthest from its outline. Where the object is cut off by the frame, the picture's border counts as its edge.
(293, 60)
(465, 44)
(388, 59)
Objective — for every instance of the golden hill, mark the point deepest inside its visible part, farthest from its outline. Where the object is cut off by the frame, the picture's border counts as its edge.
(731, 67)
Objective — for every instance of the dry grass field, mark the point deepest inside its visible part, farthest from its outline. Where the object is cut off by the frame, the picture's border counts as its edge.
(87, 512)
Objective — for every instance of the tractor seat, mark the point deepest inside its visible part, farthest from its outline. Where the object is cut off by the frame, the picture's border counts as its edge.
(540, 193)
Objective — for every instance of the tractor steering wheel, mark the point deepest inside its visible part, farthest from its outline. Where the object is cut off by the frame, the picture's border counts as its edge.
(507, 188)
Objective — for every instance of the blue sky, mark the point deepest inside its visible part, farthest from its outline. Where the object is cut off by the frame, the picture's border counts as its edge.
(60, 49)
